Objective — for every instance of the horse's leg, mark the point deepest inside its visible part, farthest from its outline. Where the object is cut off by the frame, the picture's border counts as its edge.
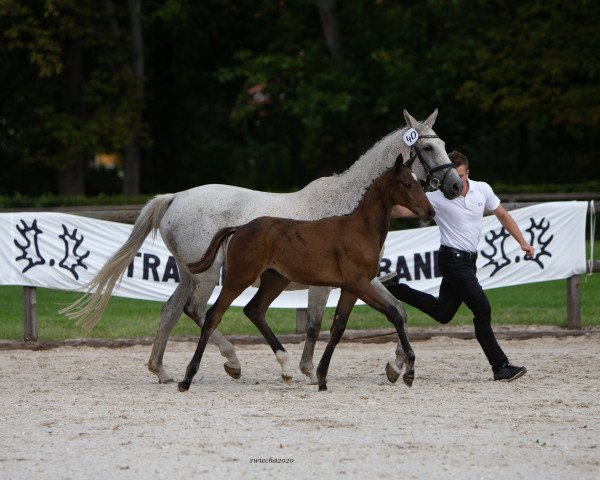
(212, 320)
(271, 285)
(169, 315)
(394, 370)
(380, 302)
(340, 319)
(204, 284)
(317, 301)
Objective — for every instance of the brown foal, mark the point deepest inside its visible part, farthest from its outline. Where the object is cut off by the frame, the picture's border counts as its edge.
(341, 251)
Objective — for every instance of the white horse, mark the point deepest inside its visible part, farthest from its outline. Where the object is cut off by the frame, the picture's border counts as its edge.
(188, 220)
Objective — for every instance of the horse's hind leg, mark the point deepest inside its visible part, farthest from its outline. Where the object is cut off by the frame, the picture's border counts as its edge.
(169, 315)
(340, 319)
(317, 301)
(204, 284)
(271, 285)
(393, 370)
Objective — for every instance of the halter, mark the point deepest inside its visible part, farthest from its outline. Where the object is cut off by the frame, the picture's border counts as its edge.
(430, 183)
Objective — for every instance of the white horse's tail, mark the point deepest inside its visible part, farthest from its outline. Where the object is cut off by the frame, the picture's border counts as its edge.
(89, 308)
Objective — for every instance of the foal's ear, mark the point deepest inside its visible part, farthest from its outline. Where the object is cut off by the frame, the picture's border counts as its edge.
(410, 162)
(399, 162)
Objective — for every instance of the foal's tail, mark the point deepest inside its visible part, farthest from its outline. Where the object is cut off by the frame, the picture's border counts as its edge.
(211, 252)
(89, 308)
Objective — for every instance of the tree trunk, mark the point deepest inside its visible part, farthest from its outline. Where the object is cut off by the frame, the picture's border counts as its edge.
(133, 161)
(71, 178)
(329, 23)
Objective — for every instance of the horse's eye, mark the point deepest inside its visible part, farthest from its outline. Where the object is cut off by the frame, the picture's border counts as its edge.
(428, 148)
(407, 185)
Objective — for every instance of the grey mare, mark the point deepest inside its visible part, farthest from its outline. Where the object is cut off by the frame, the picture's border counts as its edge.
(188, 220)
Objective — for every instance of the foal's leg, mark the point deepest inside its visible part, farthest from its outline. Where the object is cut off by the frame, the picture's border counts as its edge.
(204, 284)
(340, 319)
(169, 315)
(375, 299)
(393, 370)
(271, 285)
(317, 301)
(212, 320)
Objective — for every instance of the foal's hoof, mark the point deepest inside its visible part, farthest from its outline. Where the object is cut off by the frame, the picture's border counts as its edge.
(286, 378)
(392, 372)
(408, 379)
(183, 386)
(233, 372)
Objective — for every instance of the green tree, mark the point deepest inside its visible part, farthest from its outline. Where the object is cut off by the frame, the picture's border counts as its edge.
(79, 100)
(535, 69)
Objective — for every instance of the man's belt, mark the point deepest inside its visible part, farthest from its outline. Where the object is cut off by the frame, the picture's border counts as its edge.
(458, 253)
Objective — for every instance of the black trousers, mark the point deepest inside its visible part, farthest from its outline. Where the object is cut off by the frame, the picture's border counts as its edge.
(459, 284)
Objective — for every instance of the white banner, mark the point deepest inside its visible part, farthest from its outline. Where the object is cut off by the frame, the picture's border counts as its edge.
(64, 252)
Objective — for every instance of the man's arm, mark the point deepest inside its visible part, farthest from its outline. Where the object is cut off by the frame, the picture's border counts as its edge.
(511, 226)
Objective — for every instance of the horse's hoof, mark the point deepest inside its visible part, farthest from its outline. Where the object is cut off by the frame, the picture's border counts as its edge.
(286, 378)
(322, 387)
(310, 373)
(408, 379)
(233, 372)
(392, 373)
(161, 373)
(183, 386)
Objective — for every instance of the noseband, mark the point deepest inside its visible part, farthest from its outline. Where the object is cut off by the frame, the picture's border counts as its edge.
(430, 183)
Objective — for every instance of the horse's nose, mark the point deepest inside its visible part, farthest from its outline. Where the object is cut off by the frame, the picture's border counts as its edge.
(456, 187)
(430, 214)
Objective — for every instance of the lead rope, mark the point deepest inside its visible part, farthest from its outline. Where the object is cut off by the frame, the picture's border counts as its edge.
(592, 222)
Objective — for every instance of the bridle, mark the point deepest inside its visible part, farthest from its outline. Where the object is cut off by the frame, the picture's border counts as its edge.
(430, 183)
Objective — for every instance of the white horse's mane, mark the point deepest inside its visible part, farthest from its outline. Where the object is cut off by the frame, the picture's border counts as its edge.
(343, 192)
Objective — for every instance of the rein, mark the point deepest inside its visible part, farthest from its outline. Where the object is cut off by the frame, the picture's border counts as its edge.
(430, 183)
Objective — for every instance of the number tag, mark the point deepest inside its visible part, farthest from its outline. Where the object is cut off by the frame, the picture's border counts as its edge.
(410, 137)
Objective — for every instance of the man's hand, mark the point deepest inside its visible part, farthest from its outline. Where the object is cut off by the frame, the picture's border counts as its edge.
(529, 250)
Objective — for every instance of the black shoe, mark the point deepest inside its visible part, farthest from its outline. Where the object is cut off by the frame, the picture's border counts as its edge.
(509, 372)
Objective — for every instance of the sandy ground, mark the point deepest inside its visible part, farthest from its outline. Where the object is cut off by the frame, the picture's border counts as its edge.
(82, 412)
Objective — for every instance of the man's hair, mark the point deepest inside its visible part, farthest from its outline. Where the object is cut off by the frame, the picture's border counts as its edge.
(458, 159)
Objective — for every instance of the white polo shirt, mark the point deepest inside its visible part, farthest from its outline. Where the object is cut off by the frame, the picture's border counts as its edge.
(461, 220)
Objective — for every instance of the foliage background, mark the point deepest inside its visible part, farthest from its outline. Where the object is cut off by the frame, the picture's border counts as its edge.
(272, 94)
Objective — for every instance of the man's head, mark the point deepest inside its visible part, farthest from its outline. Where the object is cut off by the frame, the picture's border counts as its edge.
(461, 163)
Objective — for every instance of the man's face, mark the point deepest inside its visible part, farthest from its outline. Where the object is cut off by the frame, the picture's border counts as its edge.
(463, 173)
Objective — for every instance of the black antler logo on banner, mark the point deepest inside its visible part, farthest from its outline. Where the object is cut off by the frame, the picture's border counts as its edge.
(72, 258)
(497, 255)
(30, 249)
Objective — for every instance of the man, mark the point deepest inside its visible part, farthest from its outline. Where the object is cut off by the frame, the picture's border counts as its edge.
(460, 222)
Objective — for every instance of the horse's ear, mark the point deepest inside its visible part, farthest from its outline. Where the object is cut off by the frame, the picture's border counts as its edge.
(410, 121)
(431, 119)
(399, 162)
(410, 162)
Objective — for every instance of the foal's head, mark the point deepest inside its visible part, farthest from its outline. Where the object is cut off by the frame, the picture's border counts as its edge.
(406, 190)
